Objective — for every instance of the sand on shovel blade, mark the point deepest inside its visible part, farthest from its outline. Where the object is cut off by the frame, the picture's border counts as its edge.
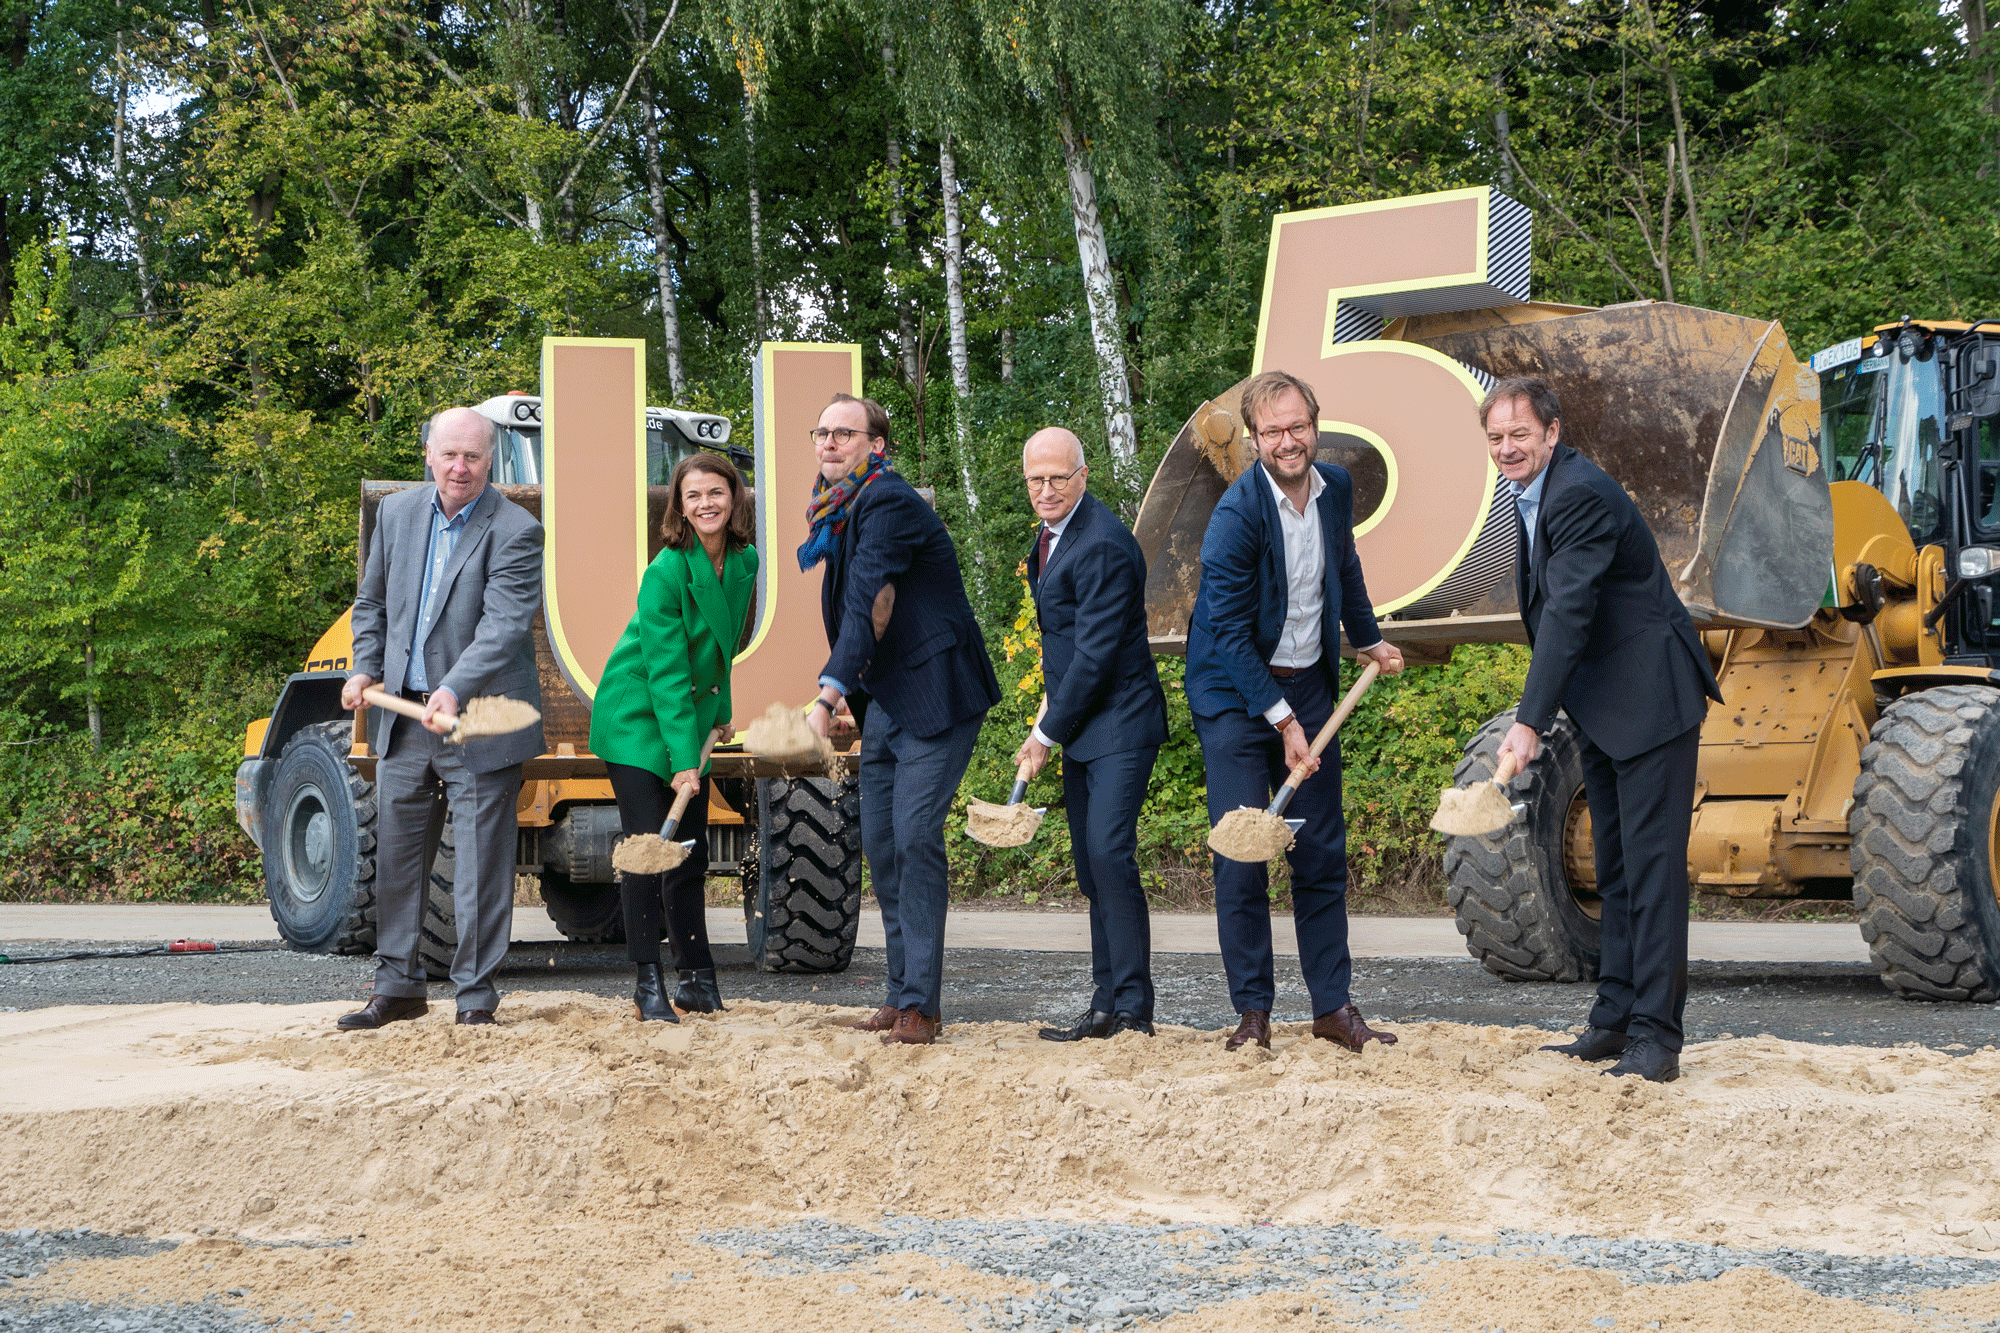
(782, 736)
(1250, 835)
(647, 854)
(1000, 825)
(495, 715)
(1472, 811)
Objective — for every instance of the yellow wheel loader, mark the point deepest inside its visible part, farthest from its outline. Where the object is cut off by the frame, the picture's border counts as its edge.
(1842, 574)
(591, 462)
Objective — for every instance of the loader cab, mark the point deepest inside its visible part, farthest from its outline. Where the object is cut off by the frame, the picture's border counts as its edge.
(1881, 422)
(671, 435)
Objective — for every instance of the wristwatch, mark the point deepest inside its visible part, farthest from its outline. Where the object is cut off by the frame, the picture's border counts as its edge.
(821, 700)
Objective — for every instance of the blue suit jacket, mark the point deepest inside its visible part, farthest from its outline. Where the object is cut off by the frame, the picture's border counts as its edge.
(1239, 613)
(1104, 691)
(930, 668)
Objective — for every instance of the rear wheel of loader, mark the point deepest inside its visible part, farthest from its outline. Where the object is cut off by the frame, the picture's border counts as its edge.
(1925, 831)
(319, 844)
(1526, 909)
(806, 904)
(584, 913)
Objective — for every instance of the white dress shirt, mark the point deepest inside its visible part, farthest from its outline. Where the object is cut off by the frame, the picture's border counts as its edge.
(1528, 500)
(1055, 537)
(1305, 583)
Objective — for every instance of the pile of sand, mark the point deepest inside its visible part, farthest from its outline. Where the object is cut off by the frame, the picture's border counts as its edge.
(1250, 835)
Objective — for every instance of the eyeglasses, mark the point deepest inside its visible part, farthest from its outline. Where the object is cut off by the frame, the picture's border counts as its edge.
(1059, 484)
(841, 438)
(1304, 432)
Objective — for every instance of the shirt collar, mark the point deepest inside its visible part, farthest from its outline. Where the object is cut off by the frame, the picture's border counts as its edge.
(1316, 482)
(1056, 529)
(1532, 492)
(437, 506)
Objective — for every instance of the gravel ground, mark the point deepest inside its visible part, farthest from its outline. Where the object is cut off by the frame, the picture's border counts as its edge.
(1839, 1003)
(26, 1253)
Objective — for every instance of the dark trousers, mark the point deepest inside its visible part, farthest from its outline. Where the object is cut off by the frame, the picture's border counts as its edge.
(420, 776)
(643, 801)
(1640, 809)
(1245, 761)
(1102, 797)
(907, 783)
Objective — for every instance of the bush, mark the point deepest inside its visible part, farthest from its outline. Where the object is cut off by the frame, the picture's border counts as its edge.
(149, 820)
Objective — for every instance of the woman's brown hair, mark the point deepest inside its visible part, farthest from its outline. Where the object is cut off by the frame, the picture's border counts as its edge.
(678, 533)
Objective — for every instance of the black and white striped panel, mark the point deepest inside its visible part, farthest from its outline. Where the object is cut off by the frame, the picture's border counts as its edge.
(1353, 323)
(1490, 560)
(1510, 227)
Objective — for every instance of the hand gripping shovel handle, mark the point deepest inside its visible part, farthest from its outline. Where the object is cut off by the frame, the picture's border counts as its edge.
(1509, 763)
(395, 703)
(1325, 737)
(1020, 792)
(681, 800)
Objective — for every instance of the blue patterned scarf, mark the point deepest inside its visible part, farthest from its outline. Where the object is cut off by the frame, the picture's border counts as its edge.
(831, 502)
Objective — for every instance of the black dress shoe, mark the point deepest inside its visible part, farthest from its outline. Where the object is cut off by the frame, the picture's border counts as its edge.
(1594, 1044)
(382, 1010)
(1094, 1023)
(698, 993)
(1124, 1022)
(475, 1018)
(649, 996)
(1649, 1060)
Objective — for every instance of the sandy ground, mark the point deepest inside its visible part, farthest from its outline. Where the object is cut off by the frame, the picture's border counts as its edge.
(556, 1169)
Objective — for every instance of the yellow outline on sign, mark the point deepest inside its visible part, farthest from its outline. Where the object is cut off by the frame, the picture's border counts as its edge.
(578, 679)
(1482, 252)
(764, 415)
(1380, 446)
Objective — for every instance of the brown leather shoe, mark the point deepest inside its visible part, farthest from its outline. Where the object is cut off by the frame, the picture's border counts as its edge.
(913, 1028)
(1256, 1026)
(880, 1021)
(475, 1017)
(382, 1010)
(1344, 1025)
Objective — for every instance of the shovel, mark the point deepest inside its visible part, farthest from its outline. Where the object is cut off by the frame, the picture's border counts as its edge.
(493, 716)
(1007, 825)
(1468, 812)
(656, 854)
(1249, 834)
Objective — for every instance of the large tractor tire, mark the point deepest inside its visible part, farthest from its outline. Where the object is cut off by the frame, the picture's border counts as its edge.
(1925, 830)
(319, 844)
(804, 908)
(1525, 911)
(585, 913)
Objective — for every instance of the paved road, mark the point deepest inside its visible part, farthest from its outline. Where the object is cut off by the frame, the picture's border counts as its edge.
(1835, 1002)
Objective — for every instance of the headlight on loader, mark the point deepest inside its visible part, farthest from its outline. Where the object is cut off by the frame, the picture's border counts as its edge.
(1976, 562)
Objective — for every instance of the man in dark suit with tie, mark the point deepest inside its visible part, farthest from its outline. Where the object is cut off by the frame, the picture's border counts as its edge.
(1280, 578)
(908, 659)
(1615, 649)
(443, 614)
(1105, 710)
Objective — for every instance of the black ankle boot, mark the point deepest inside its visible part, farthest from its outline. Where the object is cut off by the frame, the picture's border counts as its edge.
(649, 997)
(698, 993)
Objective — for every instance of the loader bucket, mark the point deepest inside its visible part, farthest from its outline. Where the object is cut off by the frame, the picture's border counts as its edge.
(1705, 418)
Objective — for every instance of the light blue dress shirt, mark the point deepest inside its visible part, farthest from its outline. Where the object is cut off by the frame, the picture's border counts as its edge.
(1528, 499)
(445, 533)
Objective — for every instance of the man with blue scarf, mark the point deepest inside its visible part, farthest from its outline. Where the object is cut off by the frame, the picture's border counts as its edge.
(908, 659)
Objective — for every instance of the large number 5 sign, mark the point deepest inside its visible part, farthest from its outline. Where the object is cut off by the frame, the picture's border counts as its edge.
(1437, 540)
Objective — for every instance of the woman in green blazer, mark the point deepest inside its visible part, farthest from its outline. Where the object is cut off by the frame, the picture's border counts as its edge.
(664, 689)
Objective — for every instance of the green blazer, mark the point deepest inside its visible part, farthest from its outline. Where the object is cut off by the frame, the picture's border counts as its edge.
(667, 682)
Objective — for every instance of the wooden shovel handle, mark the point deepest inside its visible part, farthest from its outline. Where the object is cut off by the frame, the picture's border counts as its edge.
(395, 703)
(682, 797)
(1509, 764)
(1325, 737)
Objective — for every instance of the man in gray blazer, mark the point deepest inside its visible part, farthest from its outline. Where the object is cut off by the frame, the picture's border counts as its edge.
(447, 597)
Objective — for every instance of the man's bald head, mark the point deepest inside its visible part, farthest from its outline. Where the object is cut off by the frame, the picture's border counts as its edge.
(1052, 465)
(459, 454)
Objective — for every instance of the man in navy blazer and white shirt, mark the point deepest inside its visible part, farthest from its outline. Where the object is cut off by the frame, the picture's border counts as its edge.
(1280, 578)
(1105, 710)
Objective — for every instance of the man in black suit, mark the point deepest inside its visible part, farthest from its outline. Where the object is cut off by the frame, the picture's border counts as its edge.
(1615, 649)
(908, 658)
(1105, 710)
(1280, 580)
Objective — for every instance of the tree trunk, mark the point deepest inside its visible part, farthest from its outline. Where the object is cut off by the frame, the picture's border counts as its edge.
(663, 267)
(1006, 356)
(761, 315)
(124, 180)
(906, 331)
(1095, 258)
(90, 695)
(954, 298)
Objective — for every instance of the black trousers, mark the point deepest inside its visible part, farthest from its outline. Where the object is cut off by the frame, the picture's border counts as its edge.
(1102, 797)
(643, 801)
(1640, 810)
(1244, 758)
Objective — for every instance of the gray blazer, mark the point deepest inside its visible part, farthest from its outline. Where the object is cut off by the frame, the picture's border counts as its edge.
(481, 643)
